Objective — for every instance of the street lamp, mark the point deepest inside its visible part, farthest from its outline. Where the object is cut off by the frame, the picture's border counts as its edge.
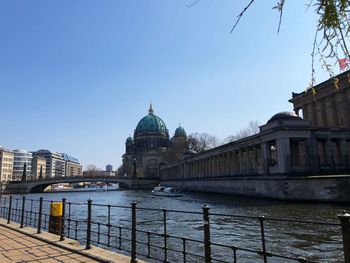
(134, 174)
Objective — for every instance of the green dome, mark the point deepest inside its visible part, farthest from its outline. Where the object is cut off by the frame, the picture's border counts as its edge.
(151, 124)
(180, 132)
(129, 140)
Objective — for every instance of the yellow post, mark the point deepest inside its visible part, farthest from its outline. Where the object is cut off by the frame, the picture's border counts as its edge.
(55, 221)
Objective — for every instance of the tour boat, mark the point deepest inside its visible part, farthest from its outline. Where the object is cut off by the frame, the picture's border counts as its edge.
(166, 191)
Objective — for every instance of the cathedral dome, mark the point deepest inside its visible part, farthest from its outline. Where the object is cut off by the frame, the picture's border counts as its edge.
(129, 140)
(151, 124)
(180, 131)
(285, 115)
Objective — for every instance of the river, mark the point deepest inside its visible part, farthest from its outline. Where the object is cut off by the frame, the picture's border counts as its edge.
(314, 242)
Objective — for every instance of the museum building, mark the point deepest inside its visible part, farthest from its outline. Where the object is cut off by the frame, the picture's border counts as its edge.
(315, 143)
(314, 139)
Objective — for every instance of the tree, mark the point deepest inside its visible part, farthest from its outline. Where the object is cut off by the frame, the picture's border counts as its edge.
(92, 170)
(251, 129)
(200, 142)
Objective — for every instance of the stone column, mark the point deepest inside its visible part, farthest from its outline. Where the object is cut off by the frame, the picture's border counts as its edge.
(343, 152)
(265, 151)
(283, 155)
(329, 153)
(312, 155)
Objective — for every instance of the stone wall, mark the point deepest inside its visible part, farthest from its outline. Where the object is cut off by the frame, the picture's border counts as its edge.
(312, 188)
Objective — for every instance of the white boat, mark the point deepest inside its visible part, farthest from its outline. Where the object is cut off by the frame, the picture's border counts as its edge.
(166, 191)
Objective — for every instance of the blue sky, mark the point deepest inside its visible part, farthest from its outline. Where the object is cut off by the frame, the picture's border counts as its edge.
(77, 75)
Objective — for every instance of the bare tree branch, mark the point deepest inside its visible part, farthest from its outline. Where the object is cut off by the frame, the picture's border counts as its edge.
(241, 15)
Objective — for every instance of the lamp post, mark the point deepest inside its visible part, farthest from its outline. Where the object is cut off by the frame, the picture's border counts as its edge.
(134, 174)
(24, 175)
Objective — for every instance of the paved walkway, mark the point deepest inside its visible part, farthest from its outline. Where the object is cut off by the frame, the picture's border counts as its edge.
(18, 247)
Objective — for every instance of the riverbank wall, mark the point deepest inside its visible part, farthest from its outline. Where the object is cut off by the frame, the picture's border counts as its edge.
(329, 188)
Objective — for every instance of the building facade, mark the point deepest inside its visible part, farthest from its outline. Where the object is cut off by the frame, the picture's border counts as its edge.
(22, 159)
(6, 165)
(38, 168)
(72, 166)
(328, 106)
(109, 168)
(318, 143)
(151, 147)
(55, 163)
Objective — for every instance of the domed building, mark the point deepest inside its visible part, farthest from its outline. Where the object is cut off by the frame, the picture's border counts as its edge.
(151, 146)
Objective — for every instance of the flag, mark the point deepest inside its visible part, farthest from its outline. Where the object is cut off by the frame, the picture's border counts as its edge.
(343, 63)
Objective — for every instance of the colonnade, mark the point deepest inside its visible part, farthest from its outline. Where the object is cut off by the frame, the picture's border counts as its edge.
(279, 156)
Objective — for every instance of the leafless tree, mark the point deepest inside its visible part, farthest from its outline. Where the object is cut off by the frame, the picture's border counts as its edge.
(200, 142)
(92, 170)
(251, 129)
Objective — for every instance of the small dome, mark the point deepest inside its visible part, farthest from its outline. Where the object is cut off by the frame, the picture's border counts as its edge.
(129, 140)
(285, 115)
(151, 124)
(180, 132)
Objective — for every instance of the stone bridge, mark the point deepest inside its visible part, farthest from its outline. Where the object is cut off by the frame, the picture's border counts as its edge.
(38, 185)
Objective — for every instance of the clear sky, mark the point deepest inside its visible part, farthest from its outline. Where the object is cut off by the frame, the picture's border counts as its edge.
(76, 76)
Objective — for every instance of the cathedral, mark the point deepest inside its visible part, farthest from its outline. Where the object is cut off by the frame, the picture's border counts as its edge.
(151, 147)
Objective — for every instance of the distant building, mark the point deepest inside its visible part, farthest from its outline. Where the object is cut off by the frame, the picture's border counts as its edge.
(72, 166)
(55, 163)
(21, 157)
(6, 165)
(38, 163)
(328, 106)
(152, 147)
(109, 168)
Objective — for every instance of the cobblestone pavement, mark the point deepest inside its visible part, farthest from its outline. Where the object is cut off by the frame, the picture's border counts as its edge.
(17, 247)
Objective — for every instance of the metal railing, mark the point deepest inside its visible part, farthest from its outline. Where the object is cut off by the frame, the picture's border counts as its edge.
(149, 233)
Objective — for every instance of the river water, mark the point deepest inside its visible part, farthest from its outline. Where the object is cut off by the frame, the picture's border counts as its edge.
(314, 242)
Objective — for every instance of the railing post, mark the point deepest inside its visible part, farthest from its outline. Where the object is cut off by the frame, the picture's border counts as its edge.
(22, 212)
(9, 211)
(133, 232)
(262, 230)
(207, 242)
(40, 214)
(165, 236)
(345, 228)
(63, 215)
(88, 227)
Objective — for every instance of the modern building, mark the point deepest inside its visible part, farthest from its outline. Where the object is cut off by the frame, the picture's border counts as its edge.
(72, 166)
(38, 167)
(55, 163)
(6, 165)
(22, 158)
(151, 147)
(109, 168)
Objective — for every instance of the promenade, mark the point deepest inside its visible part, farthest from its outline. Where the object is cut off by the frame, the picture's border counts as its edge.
(18, 247)
(24, 245)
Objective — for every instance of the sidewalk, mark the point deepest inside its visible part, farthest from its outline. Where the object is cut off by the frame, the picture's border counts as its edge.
(18, 247)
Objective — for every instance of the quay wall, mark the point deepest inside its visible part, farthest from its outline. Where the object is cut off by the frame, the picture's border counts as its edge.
(331, 188)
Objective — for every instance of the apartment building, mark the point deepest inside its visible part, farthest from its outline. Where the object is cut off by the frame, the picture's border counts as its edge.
(55, 163)
(72, 166)
(38, 166)
(21, 158)
(6, 165)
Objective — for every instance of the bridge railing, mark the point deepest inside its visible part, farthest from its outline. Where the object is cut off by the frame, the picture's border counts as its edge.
(153, 234)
